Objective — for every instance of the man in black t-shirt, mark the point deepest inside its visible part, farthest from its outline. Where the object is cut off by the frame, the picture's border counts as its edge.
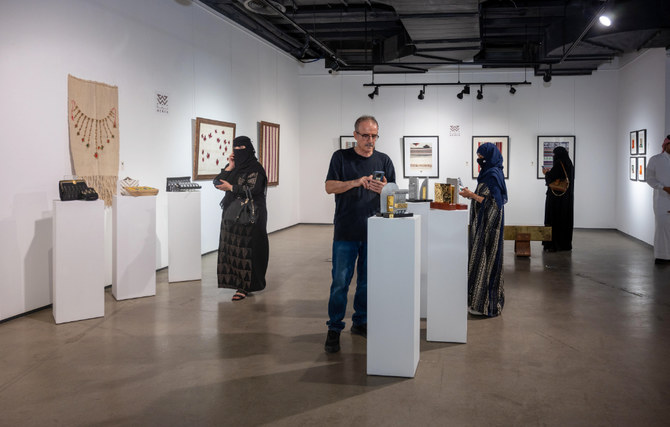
(351, 177)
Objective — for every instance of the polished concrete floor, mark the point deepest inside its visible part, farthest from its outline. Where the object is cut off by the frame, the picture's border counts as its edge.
(584, 340)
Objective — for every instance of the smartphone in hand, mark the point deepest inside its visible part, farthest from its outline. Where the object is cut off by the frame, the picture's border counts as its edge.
(378, 175)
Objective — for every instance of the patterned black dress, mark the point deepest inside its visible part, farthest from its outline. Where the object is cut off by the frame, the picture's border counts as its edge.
(244, 249)
(486, 294)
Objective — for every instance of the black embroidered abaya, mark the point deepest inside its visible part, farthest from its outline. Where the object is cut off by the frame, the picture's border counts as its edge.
(244, 249)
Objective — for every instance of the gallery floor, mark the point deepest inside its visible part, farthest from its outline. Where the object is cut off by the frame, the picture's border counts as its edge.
(584, 340)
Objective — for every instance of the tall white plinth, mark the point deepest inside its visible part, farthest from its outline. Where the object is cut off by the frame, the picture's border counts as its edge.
(184, 253)
(134, 247)
(78, 260)
(447, 276)
(422, 208)
(394, 254)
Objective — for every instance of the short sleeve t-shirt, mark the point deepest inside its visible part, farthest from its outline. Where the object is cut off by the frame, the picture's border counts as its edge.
(354, 207)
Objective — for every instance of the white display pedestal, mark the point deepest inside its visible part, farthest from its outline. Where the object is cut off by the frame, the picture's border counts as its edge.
(393, 296)
(447, 276)
(184, 253)
(134, 247)
(422, 208)
(78, 260)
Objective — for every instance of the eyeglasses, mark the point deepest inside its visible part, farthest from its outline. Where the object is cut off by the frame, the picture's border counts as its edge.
(371, 136)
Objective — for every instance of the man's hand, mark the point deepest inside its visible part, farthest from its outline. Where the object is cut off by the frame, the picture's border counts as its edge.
(375, 184)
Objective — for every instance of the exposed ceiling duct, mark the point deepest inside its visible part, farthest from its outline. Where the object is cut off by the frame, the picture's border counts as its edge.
(408, 36)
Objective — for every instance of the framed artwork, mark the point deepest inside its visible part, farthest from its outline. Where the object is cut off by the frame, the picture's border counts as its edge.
(545, 151)
(213, 145)
(268, 151)
(632, 169)
(421, 156)
(642, 141)
(502, 142)
(347, 142)
(641, 168)
(633, 142)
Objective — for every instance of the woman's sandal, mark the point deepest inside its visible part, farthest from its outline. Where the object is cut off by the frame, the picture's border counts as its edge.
(239, 295)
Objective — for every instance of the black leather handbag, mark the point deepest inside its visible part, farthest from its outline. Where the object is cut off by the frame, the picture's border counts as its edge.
(241, 210)
(75, 189)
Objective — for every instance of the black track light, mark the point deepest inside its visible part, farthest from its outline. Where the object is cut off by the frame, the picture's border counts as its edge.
(480, 92)
(459, 95)
(512, 90)
(422, 92)
(374, 92)
(466, 89)
(547, 75)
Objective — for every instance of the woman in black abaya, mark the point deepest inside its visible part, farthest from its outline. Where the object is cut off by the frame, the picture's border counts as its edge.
(243, 249)
(558, 207)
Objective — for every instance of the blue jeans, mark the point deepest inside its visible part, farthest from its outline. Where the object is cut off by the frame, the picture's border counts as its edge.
(344, 260)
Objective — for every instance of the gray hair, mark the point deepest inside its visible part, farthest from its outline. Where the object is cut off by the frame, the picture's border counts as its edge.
(362, 119)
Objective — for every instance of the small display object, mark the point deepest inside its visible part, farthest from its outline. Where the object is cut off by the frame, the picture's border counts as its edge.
(177, 184)
(413, 189)
(76, 189)
(132, 187)
(444, 193)
(393, 202)
(423, 192)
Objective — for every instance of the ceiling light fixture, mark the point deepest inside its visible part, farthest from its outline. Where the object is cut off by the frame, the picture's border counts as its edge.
(374, 92)
(422, 92)
(605, 20)
(459, 95)
(466, 89)
(480, 92)
(512, 90)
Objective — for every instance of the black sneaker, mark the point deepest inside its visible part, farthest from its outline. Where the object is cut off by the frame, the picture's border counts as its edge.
(361, 330)
(332, 342)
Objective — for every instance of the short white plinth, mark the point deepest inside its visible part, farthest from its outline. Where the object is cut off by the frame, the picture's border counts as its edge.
(447, 276)
(184, 251)
(78, 260)
(394, 254)
(422, 208)
(134, 247)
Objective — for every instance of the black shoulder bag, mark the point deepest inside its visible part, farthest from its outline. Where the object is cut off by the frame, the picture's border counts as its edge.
(241, 210)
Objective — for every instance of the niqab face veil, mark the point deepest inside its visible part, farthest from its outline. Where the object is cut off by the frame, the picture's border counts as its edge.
(245, 156)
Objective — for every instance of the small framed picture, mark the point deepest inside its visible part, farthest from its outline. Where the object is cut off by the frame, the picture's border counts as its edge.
(502, 142)
(642, 169)
(545, 151)
(421, 156)
(633, 142)
(642, 141)
(347, 142)
(632, 169)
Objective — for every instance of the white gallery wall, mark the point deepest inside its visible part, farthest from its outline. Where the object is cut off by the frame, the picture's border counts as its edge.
(641, 106)
(211, 68)
(208, 67)
(584, 106)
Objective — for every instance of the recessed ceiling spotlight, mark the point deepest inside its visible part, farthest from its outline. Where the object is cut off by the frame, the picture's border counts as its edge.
(605, 20)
